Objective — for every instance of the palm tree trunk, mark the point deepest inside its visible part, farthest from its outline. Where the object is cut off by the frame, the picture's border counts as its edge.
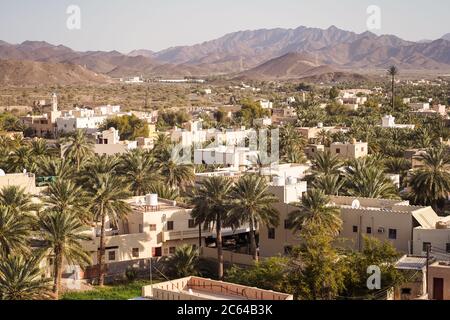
(253, 240)
(57, 273)
(219, 248)
(199, 235)
(393, 93)
(101, 256)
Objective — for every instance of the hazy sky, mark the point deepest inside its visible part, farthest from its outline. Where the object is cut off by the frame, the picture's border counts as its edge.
(125, 25)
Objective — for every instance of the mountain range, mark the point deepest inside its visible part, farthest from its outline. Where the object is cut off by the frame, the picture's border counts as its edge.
(258, 54)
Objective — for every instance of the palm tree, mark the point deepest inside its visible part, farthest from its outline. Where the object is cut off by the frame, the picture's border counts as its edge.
(325, 163)
(315, 211)
(364, 179)
(14, 231)
(21, 278)
(291, 145)
(164, 191)
(252, 204)
(107, 193)
(21, 159)
(139, 170)
(177, 174)
(79, 148)
(393, 71)
(66, 197)
(60, 168)
(431, 182)
(39, 147)
(162, 147)
(330, 184)
(184, 262)
(62, 232)
(211, 205)
(17, 199)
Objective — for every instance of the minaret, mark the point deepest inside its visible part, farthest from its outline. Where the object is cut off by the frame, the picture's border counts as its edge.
(54, 102)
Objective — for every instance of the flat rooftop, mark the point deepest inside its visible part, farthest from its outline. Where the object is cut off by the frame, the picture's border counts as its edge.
(139, 204)
(196, 288)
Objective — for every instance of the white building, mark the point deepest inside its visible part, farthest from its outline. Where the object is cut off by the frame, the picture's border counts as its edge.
(194, 134)
(388, 121)
(106, 110)
(226, 155)
(265, 104)
(70, 123)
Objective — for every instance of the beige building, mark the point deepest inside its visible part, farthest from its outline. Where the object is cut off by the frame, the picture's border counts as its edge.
(44, 125)
(108, 142)
(311, 133)
(439, 281)
(435, 231)
(26, 180)
(154, 229)
(196, 288)
(353, 150)
(386, 220)
(413, 269)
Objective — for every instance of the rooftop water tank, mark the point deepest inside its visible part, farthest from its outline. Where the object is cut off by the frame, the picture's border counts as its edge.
(151, 199)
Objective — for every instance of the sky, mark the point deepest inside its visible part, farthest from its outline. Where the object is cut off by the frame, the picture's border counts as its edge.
(125, 25)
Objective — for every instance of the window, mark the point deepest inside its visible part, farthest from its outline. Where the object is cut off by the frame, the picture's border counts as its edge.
(287, 225)
(141, 228)
(153, 227)
(338, 150)
(172, 250)
(271, 233)
(393, 234)
(169, 225)
(355, 229)
(369, 230)
(406, 290)
(156, 252)
(425, 246)
(191, 223)
(135, 252)
(447, 247)
(362, 149)
(111, 255)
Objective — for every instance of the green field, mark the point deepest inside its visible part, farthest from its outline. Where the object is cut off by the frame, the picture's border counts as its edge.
(111, 292)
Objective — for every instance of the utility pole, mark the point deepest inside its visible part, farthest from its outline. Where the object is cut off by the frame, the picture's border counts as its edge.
(428, 263)
(151, 275)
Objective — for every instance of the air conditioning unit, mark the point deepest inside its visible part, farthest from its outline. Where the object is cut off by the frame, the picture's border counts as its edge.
(380, 230)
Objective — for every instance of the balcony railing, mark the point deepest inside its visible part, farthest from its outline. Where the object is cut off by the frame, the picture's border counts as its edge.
(182, 234)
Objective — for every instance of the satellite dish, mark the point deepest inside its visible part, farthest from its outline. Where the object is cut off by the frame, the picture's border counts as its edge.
(356, 204)
(2, 173)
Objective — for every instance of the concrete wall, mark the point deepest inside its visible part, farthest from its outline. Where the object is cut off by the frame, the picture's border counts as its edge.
(228, 256)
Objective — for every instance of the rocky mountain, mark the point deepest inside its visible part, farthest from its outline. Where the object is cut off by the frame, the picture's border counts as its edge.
(25, 72)
(278, 53)
(289, 66)
(335, 47)
(446, 36)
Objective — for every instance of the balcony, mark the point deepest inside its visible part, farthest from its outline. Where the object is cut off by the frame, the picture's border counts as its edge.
(182, 234)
